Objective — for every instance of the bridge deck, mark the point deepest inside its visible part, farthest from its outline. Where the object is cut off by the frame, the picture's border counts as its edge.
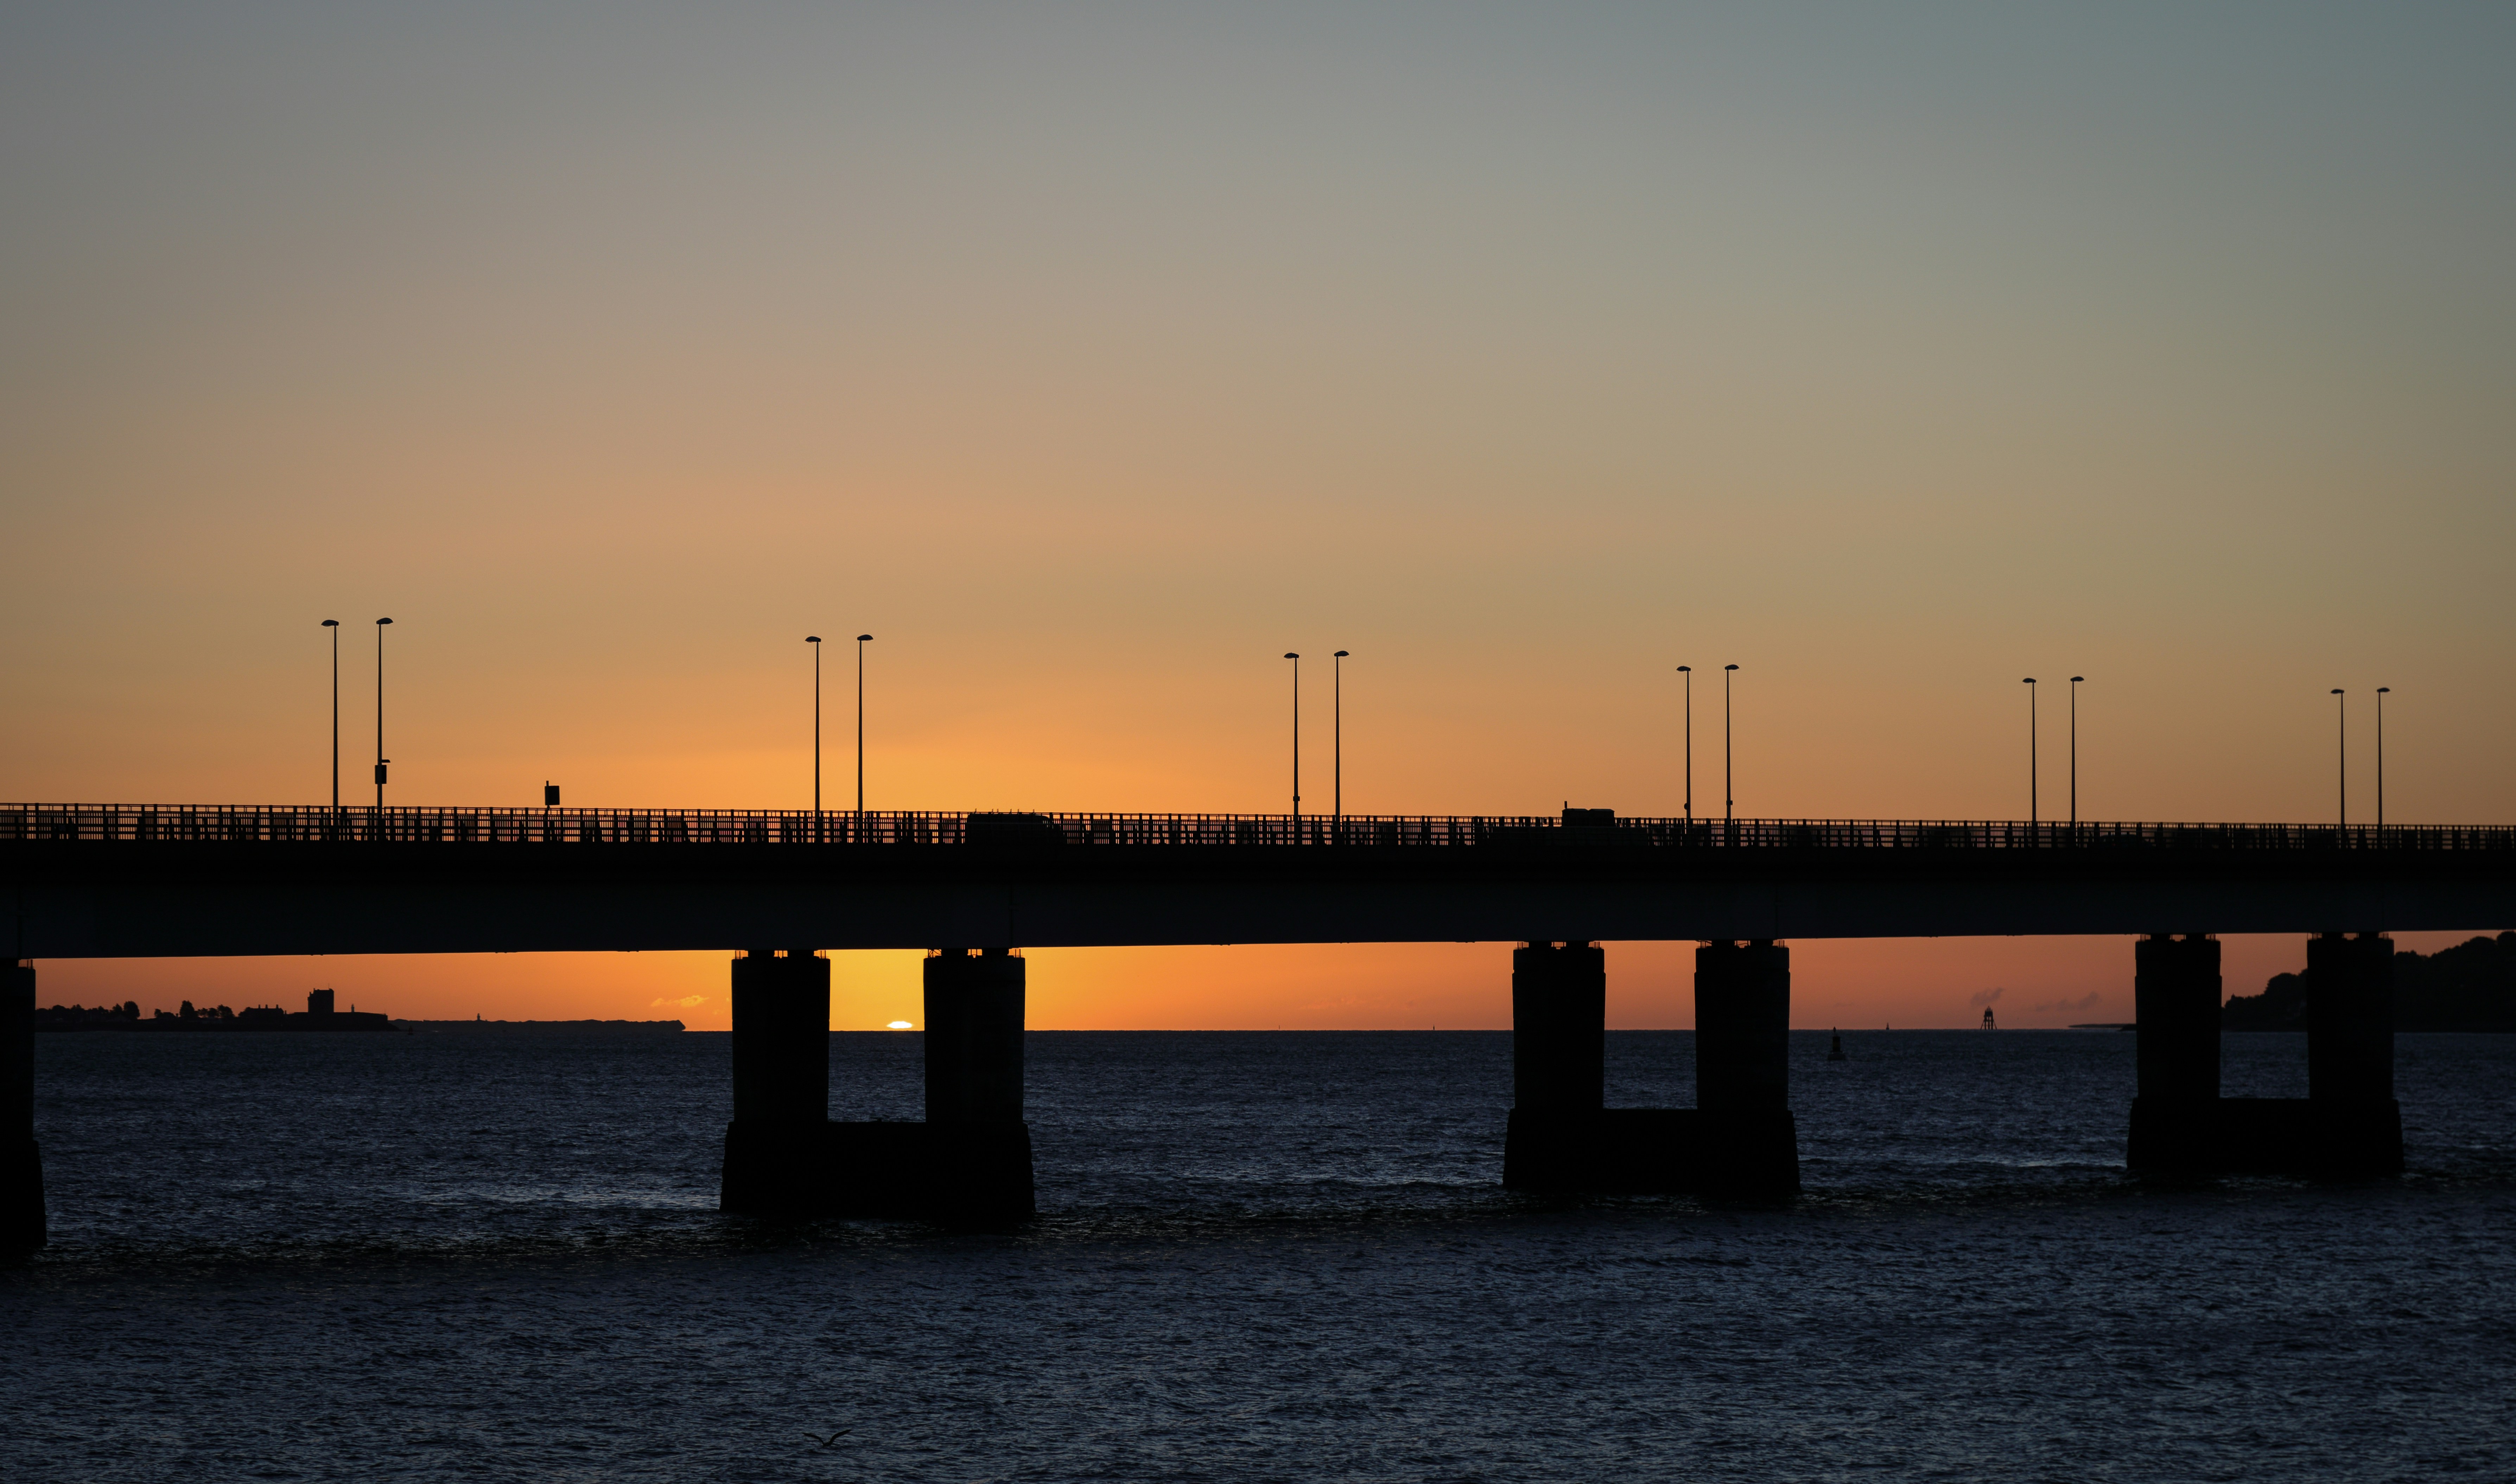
(138, 881)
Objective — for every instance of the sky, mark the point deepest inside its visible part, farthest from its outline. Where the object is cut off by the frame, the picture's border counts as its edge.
(1092, 356)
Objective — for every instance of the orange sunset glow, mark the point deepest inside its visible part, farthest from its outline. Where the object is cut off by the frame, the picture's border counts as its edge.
(1093, 362)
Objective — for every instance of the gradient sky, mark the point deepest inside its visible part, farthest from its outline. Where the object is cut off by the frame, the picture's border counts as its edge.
(1094, 355)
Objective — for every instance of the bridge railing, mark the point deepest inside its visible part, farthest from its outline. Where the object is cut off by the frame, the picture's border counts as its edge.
(433, 826)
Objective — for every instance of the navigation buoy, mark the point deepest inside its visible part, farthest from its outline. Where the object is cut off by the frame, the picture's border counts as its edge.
(1835, 1052)
(1987, 1021)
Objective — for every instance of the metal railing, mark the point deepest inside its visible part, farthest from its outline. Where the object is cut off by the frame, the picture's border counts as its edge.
(320, 825)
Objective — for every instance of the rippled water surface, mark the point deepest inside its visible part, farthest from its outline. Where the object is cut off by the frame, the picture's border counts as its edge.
(1260, 1256)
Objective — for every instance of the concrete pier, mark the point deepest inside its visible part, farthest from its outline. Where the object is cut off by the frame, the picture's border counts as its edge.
(973, 1035)
(2177, 1125)
(1742, 1027)
(1559, 1048)
(2347, 1125)
(968, 1160)
(2358, 1126)
(21, 1163)
(1558, 1027)
(1739, 1138)
(981, 1146)
(776, 1147)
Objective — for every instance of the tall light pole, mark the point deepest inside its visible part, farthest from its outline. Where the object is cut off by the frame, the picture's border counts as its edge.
(1297, 738)
(381, 759)
(1728, 794)
(2381, 692)
(334, 625)
(1688, 671)
(862, 639)
(2341, 741)
(814, 640)
(2074, 747)
(2030, 750)
(1337, 732)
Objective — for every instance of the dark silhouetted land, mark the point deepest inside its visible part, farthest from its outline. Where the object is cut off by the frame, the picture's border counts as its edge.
(599, 1027)
(2469, 987)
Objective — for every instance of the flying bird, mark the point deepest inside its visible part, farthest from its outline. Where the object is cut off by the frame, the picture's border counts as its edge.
(832, 1438)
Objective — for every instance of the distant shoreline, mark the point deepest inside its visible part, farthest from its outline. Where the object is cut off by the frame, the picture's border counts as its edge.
(477, 1026)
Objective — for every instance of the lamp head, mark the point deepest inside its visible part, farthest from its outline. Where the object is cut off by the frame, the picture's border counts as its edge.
(812, 639)
(862, 638)
(1686, 669)
(1729, 667)
(2029, 681)
(1344, 653)
(380, 623)
(2384, 689)
(1290, 656)
(2076, 678)
(2337, 690)
(331, 623)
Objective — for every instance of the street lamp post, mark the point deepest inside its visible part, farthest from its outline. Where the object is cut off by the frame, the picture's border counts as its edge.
(1337, 735)
(1729, 792)
(2075, 749)
(814, 640)
(2341, 744)
(381, 759)
(862, 639)
(2381, 692)
(1297, 741)
(2031, 751)
(1688, 671)
(334, 625)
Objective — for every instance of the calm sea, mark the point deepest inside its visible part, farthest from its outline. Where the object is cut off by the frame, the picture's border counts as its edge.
(1260, 1256)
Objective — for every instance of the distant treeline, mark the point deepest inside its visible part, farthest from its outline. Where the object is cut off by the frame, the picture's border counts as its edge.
(126, 1016)
(2469, 987)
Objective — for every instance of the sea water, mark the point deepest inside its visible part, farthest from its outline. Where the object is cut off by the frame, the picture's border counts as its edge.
(1259, 1256)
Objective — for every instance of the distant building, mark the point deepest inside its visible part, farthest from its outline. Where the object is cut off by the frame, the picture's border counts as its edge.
(321, 1017)
(1987, 1021)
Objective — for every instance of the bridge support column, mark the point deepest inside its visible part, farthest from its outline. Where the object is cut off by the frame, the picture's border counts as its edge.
(1559, 1055)
(981, 1147)
(1739, 1137)
(775, 1149)
(970, 1160)
(2356, 1123)
(2348, 1123)
(21, 1164)
(1742, 1035)
(2177, 1125)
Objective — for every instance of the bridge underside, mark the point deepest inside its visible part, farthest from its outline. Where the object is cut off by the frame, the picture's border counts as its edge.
(122, 900)
(970, 1158)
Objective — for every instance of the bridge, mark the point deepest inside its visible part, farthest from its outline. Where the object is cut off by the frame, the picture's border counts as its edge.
(87, 881)
(139, 882)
